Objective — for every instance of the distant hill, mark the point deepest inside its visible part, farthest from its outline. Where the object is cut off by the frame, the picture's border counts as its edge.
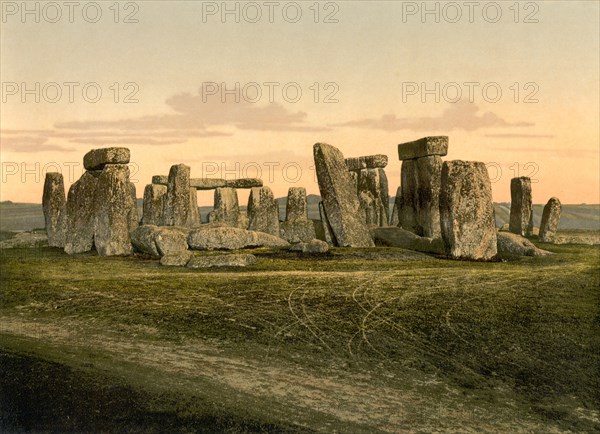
(28, 216)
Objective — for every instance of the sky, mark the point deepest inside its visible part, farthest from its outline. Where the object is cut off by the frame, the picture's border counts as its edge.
(244, 89)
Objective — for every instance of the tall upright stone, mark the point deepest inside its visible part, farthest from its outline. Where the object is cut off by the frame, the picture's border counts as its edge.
(521, 210)
(178, 204)
(113, 211)
(374, 181)
(420, 183)
(54, 206)
(467, 211)
(550, 220)
(394, 218)
(297, 227)
(327, 231)
(340, 199)
(154, 197)
(81, 213)
(134, 218)
(226, 208)
(263, 211)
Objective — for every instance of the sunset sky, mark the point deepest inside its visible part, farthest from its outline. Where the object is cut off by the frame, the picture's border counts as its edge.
(367, 58)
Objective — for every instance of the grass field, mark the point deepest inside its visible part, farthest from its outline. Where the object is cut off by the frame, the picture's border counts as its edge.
(374, 340)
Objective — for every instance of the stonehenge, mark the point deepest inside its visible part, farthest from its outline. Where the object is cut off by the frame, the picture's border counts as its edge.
(521, 211)
(466, 211)
(550, 220)
(441, 208)
(54, 207)
(418, 207)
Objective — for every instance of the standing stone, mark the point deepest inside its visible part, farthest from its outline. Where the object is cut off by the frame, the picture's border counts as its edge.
(96, 159)
(340, 199)
(374, 181)
(296, 208)
(154, 197)
(113, 211)
(194, 209)
(297, 227)
(429, 177)
(81, 213)
(226, 208)
(467, 211)
(55, 212)
(520, 206)
(263, 211)
(408, 197)
(394, 219)
(369, 209)
(178, 203)
(134, 218)
(550, 220)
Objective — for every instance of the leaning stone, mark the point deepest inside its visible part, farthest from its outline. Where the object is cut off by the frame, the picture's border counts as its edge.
(296, 208)
(367, 162)
(96, 159)
(234, 260)
(55, 212)
(114, 208)
(154, 197)
(467, 211)
(297, 231)
(520, 206)
(263, 211)
(340, 199)
(313, 246)
(394, 218)
(327, 232)
(81, 212)
(179, 259)
(228, 238)
(511, 246)
(550, 220)
(425, 147)
(178, 206)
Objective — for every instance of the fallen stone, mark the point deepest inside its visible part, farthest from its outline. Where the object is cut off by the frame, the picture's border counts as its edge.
(170, 240)
(113, 211)
(154, 198)
(511, 246)
(393, 236)
(233, 260)
(228, 238)
(263, 211)
(550, 220)
(297, 231)
(54, 206)
(179, 259)
(521, 211)
(367, 162)
(467, 211)
(313, 246)
(425, 147)
(143, 240)
(81, 213)
(96, 159)
(340, 199)
(25, 240)
(178, 203)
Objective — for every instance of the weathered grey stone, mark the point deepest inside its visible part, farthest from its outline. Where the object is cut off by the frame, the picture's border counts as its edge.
(154, 197)
(368, 208)
(312, 246)
(520, 206)
(297, 231)
(394, 236)
(96, 159)
(296, 208)
(81, 213)
(395, 217)
(340, 199)
(113, 211)
(467, 211)
(429, 178)
(178, 204)
(170, 240)
(327, 232)
(25, 240)
(374, 181)
(212, 183)
(194, 209)
(143, 240)
(511, 246)
(226, 208)
(367, 162)
(425, 147)
(160, 180)
(233, 260)
(54, 205)
(408, 197)
(134, 218)
(179, 259)
(550, 220)
(228, 238)
(263, 211)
